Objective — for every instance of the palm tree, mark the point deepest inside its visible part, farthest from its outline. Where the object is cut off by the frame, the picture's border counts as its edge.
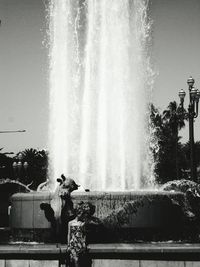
(174, 120)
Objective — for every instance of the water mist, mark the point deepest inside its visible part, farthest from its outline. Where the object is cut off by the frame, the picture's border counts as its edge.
(100, 81)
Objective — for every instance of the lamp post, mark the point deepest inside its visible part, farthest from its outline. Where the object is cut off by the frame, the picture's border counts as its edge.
(20, 167)
(191, 114)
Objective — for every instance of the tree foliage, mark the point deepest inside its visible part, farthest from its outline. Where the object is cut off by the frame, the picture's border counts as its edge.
(36, 172)
(5, 165)
(186, 156)
(170, 156)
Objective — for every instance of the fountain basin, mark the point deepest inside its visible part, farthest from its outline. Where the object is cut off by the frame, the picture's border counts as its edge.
(27, 220)
(141, 211)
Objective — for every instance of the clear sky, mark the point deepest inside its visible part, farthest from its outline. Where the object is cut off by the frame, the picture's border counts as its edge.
(24, 62)
(176, 50)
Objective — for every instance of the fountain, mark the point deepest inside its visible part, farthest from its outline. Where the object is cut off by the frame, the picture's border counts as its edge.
(100, 85)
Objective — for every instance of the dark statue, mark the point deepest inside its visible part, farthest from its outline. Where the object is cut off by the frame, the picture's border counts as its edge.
(60, 211)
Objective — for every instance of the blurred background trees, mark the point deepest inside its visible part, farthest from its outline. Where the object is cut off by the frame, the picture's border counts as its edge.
(33, 174)
(173, 157)
(6, 164)
(36, 172)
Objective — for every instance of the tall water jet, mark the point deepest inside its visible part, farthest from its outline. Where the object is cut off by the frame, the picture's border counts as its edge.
(99, 90)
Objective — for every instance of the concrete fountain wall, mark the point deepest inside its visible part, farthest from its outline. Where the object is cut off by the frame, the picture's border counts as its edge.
(27, 220)
(155, 211)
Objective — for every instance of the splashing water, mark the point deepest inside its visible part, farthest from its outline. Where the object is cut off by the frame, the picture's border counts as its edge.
(100, 80)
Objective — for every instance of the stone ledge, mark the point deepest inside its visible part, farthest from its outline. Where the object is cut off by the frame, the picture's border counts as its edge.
(36, 251)
(145, 247)
(145, 251)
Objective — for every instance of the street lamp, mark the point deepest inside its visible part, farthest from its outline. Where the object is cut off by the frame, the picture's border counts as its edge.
(191, 114)
(20, 166)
